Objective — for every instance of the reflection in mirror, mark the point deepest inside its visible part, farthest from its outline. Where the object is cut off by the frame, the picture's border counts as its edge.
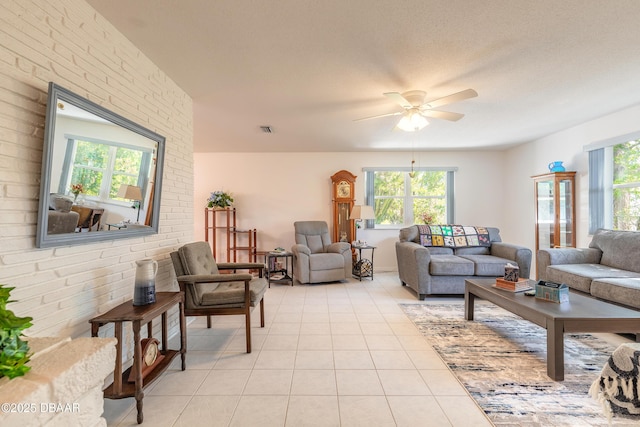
(101, 174)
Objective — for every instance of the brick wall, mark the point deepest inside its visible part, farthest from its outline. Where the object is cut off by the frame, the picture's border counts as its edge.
(68, 42)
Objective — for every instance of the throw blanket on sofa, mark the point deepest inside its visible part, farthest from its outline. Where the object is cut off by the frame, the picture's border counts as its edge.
(618, 386)
(453, 236)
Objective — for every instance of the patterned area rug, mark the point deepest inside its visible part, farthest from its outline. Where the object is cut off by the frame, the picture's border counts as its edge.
(501, 360)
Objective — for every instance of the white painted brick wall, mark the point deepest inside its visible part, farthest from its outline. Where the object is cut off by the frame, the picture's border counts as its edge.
(67, 42)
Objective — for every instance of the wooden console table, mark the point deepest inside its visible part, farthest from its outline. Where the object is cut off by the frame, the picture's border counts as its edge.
(139, 316)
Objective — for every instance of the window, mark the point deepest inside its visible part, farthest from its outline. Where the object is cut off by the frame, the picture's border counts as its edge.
(399, 199)
(626, 186)
(102, 166)
(614, 186)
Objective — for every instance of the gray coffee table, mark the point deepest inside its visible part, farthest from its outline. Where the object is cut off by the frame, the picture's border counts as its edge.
(580, 314)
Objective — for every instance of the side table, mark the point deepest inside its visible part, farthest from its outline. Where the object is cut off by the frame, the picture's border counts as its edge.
(271, 258)
(363, 267)
(139, 316)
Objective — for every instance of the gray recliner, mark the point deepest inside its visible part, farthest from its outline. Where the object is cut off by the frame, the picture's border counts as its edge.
(315, 257)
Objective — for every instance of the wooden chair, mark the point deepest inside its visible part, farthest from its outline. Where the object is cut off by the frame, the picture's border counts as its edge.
(209, 293)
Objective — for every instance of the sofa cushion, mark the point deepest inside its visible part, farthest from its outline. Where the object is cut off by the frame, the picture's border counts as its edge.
(435, 250)
(487, 265)
(619, 248)
(623, 291)
(478, 250)
(450, 265)
(580, 276)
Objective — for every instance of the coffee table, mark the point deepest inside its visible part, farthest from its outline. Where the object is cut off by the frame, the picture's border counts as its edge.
(579, 314)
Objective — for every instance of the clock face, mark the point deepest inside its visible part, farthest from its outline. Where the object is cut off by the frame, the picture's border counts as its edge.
(150, 352)
(344, 189)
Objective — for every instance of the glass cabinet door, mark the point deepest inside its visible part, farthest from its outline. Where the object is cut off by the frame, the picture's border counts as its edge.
(555, 210)
(565, 193)
(546, 214)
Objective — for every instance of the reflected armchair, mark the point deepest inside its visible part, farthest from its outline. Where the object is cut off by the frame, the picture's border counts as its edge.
(209, 293)
(315, 257)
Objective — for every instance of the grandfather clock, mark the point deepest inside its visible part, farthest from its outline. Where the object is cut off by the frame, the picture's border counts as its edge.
(343, 195)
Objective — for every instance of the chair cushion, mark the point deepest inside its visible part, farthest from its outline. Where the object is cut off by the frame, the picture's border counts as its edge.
(580, 276)
(314, 243)
(313, 234)
(328, 261)
(232, 293)
(197, 259)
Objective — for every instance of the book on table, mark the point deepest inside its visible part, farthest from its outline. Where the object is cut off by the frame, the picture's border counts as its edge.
(521, 285)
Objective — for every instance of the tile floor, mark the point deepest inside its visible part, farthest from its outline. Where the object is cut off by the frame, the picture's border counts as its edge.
(339, 354)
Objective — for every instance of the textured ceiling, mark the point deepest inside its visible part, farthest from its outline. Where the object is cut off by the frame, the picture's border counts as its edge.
(310, 68)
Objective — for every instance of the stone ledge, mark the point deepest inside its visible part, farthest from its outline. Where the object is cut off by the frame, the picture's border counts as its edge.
(64, 385)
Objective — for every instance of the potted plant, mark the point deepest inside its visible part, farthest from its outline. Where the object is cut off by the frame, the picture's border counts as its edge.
(14, 352)
(219, 199)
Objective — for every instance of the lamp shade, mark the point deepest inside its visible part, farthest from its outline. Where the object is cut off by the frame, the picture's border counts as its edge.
(130, 192)
(362, 212)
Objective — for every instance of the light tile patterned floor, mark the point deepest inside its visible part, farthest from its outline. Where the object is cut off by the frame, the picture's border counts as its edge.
(338, 354)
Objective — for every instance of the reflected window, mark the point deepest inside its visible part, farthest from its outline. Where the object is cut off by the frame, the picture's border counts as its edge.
(101, 167)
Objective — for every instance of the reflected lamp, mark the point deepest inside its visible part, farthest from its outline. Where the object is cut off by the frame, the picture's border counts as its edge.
(131, 192)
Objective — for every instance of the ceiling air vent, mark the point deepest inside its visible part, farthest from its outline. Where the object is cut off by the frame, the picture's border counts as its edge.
(266, 129)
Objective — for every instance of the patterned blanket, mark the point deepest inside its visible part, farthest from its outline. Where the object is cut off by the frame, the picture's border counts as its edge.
(453, 236)
(618, 386)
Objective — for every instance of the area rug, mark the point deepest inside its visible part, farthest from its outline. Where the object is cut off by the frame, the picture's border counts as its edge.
(501, 360)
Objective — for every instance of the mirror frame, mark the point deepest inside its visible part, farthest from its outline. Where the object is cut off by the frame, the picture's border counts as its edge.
(43, 239)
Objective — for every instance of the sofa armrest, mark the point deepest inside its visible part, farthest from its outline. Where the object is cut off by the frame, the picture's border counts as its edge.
(520, 254)
(413, 266)
(559, 256)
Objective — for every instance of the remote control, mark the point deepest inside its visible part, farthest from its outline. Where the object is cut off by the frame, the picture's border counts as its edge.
(530, 293)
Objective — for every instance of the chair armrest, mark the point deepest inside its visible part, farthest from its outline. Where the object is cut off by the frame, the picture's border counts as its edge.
(520, 254)
(300, 249)
(338, 247)
(214, 278)
(239, 265)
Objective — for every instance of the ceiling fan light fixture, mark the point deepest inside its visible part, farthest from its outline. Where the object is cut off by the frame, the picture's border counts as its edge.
(412, 121)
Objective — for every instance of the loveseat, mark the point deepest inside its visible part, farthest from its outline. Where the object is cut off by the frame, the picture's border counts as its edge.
(608, 269)
(437, 259)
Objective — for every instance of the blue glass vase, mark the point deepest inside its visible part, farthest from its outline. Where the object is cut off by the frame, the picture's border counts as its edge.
(556, 167)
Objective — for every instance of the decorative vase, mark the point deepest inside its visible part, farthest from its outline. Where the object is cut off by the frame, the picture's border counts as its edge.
(556, 167)
(145, 285)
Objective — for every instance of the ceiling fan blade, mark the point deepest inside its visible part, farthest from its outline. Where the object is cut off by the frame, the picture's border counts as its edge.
(399, 99)
(459, 96)
(446, 115)
(380, 115)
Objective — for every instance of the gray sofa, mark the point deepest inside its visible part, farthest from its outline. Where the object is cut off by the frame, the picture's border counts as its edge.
(608, 269)
(430, 270)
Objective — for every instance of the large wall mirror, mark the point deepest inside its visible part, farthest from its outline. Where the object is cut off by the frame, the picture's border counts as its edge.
(101, 174)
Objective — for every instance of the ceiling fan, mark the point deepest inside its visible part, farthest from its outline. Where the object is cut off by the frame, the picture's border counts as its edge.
(416, 110)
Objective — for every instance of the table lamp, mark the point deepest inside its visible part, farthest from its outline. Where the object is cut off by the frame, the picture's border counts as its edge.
(131, 192)
(359, 213)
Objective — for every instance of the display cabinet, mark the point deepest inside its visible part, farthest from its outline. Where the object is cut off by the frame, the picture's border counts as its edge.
(555, 210)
